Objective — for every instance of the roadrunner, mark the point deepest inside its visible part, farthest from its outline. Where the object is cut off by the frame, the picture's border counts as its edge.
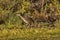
(25, 19)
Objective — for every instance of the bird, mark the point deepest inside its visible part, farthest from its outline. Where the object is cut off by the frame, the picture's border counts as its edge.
(26, 20)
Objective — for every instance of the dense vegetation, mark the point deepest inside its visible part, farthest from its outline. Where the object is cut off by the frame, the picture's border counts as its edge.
(29, 19)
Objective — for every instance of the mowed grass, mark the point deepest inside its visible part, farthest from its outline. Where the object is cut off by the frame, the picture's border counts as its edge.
(21, 33)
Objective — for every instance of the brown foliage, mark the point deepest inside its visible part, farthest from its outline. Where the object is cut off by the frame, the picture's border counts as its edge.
(1, 19)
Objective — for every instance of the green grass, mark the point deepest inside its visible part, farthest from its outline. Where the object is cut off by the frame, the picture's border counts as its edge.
(20, 32)
(30, 34)
(13, 28)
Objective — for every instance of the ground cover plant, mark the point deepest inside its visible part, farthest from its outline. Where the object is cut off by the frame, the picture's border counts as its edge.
(29, 19)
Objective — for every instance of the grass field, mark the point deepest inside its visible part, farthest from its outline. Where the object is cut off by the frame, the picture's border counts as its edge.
(41, 14)
(29, 33)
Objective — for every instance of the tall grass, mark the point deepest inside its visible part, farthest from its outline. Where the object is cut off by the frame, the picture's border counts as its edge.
(14, 29)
